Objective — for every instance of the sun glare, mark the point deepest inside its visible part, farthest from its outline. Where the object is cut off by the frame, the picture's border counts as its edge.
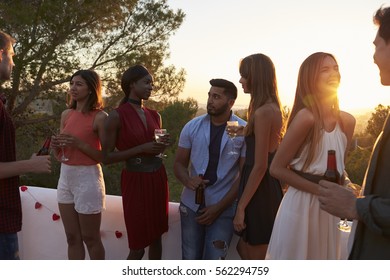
(347, 35)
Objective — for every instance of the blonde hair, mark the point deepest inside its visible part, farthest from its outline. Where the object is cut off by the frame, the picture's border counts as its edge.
(306, 97)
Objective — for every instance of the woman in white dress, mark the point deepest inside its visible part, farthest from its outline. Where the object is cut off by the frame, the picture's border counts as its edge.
(301, 229)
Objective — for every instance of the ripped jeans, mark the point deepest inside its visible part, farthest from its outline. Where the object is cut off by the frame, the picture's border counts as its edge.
(205, 242)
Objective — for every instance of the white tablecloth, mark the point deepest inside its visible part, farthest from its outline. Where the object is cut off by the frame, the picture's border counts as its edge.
(43, 238)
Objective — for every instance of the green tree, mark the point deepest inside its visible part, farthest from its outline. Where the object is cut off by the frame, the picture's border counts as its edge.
(176, 114)
(356, 164)
(358, 159)
(55, 38)
(377, 120)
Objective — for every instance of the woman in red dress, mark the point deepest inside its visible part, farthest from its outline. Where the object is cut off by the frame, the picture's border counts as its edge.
(144, 183)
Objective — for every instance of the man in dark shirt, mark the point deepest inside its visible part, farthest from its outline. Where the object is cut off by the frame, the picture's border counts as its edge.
(10, 168)
(370, 234)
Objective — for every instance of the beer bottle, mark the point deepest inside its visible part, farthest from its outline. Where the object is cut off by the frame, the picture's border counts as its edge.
(199, 193)
(45, 150)
(331, 173)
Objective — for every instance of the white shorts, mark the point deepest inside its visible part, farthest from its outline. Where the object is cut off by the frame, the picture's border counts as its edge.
(83, 186)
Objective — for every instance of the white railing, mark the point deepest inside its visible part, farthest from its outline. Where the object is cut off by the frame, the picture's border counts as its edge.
(43, 238)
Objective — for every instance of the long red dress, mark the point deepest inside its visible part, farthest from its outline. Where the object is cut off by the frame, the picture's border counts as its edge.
(144, 194)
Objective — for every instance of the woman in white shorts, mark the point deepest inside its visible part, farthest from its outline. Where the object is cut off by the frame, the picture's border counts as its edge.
(81, 190)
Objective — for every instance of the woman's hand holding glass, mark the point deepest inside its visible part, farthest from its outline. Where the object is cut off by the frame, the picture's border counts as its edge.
(162, 137)
(233, 129)
(59, 142)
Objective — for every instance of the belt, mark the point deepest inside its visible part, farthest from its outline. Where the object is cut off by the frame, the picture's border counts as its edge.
(311, 177)
(314, 178)
(143, 164)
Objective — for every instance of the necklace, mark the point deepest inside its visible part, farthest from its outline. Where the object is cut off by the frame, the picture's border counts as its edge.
(133, 101)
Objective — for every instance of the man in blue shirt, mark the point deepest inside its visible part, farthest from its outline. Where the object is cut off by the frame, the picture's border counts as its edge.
(205, 149)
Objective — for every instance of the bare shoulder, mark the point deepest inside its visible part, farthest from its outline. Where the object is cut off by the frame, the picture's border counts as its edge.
(65, 113)
(347, 119)
(267, 112)
(304, 118)
(112, 120)
(101, 115)
(113, 115)
(100, 118)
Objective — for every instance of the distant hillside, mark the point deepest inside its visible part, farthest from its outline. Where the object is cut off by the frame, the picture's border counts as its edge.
(239, 112)
(361, 122)
(361, 118)
(201, 111)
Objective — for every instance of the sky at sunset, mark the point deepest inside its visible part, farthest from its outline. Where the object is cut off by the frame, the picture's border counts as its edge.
(216, 34)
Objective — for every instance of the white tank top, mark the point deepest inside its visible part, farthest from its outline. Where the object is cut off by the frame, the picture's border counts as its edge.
(334, 140)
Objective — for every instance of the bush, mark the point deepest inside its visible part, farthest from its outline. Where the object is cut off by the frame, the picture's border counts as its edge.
(356, 164)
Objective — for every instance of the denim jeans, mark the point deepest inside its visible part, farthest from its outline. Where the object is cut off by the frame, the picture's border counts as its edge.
(205, 242)
(9, 247)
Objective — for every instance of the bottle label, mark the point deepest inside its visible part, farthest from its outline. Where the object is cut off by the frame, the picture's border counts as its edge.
(331, 173)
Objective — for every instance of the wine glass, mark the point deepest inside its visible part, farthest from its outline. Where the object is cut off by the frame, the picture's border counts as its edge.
(231, 127)
(344, 225)
(63, 158)
(159, 135)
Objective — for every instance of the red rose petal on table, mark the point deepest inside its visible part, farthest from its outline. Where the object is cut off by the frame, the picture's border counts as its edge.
(55, 217)
(23, 188)
(118, 234)
(37, 205)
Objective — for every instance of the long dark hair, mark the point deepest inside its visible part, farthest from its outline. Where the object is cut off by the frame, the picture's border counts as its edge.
(132, 75)
(95, 100)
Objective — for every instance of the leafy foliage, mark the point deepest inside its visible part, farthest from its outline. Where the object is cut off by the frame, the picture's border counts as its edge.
(377, 120)
(356, 164)
(176, 114)
(56, 38)
(358, 159)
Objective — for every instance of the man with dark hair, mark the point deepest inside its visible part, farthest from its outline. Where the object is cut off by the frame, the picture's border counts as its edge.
(230, 88)
(370, 236)
(203, 161)
(10, 204)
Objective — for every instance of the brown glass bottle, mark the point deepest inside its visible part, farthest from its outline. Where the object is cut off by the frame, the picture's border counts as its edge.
(45, 150)
(331, 173)
(199, 193)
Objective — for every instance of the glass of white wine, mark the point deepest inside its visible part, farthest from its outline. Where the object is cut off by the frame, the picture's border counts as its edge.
(231, 128)
(159, 134)
(63, 158)
(344, 224)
